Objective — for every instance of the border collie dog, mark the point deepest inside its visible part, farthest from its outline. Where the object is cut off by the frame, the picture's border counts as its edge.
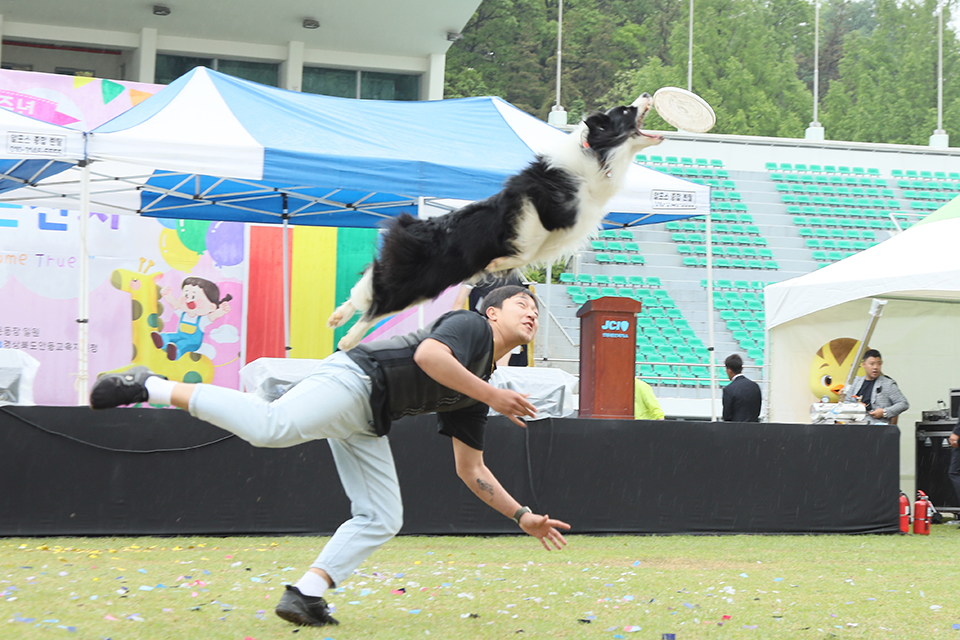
(545, 212)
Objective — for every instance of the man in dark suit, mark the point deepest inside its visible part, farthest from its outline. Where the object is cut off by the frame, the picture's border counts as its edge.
(741, 398)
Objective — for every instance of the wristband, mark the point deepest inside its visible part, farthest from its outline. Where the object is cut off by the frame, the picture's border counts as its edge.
(520, 512)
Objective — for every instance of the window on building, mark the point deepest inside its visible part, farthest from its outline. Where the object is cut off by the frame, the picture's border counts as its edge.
(341, 83)
(389, 86)
(170, 67)
(369, 85)
(262, 72)
(65, 59)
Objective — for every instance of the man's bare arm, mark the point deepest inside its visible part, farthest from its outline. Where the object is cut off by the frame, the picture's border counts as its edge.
(437, 361)
(475, 474)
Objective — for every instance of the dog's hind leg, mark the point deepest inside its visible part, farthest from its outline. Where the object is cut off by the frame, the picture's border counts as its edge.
(361, 297)
(356, 333)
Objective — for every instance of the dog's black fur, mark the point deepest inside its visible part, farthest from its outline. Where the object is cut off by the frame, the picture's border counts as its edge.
(559, 195)
(421, 258)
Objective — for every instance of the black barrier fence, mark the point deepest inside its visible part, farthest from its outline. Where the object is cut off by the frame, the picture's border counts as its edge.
(72, 471)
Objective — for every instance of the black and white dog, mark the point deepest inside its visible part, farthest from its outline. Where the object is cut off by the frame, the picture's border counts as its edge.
(545, 212)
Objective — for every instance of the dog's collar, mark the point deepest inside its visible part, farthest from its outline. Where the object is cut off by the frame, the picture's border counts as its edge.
(585, 147)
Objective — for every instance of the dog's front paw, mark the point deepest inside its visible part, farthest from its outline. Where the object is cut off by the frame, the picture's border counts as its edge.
(347, 342)
(342, 314)
(335, 320)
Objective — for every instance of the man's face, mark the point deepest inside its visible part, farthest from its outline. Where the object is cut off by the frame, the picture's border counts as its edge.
(519, 317)
(871, 368)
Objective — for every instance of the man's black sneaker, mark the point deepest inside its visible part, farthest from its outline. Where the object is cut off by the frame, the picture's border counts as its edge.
(115, 389)
(302, 610)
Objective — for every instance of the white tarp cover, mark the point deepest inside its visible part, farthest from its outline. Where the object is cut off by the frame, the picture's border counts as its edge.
(918, 271)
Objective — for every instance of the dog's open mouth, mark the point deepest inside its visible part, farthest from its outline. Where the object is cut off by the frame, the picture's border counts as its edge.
(643, 114)
(643, 104)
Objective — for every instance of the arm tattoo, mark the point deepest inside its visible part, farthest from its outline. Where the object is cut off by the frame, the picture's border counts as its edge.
(485, 486)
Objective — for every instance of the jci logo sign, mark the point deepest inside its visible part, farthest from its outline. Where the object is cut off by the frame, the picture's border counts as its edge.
(615, 329)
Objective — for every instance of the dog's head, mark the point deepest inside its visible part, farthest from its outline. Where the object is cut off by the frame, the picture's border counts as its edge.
(619, 127)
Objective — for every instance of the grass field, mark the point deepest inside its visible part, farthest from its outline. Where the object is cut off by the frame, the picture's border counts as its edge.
(504, 587)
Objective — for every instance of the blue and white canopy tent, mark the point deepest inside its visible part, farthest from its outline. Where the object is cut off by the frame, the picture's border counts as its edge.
(215, 147)
(211, 146)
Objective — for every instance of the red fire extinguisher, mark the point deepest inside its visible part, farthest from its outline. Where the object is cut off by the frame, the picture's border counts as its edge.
(921, 514)
(904, 513)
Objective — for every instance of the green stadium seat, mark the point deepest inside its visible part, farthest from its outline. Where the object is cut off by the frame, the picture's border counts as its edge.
(602, 279)
(585, 278)
(604, 258)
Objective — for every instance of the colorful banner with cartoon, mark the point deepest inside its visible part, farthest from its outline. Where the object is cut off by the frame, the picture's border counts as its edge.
(151, 286)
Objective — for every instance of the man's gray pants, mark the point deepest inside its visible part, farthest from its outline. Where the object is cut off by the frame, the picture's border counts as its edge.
(332, 403)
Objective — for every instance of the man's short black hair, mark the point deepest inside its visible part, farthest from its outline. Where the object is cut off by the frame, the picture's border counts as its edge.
(872, 353)
(734, 363)
(496, 297)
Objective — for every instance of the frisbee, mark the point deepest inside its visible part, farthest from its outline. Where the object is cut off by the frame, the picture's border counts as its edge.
(685, 110)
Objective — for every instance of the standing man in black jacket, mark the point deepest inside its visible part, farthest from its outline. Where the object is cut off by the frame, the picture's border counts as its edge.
(741, 398)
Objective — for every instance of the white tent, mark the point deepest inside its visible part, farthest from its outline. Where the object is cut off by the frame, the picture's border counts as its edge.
(918, 271)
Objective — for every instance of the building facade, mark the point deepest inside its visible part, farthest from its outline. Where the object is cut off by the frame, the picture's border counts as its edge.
(365, 49)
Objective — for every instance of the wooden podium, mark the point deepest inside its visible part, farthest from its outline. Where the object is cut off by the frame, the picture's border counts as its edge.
(608, 357)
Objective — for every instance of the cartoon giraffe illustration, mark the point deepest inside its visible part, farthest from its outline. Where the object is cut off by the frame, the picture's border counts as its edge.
(146, 311)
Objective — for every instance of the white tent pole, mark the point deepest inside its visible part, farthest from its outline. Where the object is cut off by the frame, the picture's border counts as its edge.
(546, 325)
(710, 333)
(83, 303)
(286, 283)
(421, 213)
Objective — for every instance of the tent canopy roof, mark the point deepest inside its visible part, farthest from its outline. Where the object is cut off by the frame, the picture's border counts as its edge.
(920, 263)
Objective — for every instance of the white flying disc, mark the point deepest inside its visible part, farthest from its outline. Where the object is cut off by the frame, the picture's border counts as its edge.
(685, 110)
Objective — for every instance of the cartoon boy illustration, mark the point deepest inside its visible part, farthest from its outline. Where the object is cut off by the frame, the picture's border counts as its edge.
(199, 306)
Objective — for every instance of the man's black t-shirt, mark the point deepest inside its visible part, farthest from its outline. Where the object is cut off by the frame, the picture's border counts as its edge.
(401, 388)
(866, 393)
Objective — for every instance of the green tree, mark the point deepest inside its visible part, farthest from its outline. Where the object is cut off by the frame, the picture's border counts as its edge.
(740, 67)
(887, 85)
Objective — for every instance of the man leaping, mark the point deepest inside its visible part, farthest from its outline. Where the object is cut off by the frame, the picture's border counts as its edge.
(350, 400)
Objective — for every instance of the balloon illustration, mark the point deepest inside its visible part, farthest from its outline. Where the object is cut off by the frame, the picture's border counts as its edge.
(225, 243)
(176, 255)
(169, 223)
(193, 234)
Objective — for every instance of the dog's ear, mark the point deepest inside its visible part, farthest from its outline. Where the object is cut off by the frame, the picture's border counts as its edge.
(597, 122)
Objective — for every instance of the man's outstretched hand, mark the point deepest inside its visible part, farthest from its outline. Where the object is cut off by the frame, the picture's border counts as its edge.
(512, 404)
(544, 529)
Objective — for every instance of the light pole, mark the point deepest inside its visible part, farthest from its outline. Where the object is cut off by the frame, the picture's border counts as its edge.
(690, 52)
(558, 116)
(815, 130)
(940, 138)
